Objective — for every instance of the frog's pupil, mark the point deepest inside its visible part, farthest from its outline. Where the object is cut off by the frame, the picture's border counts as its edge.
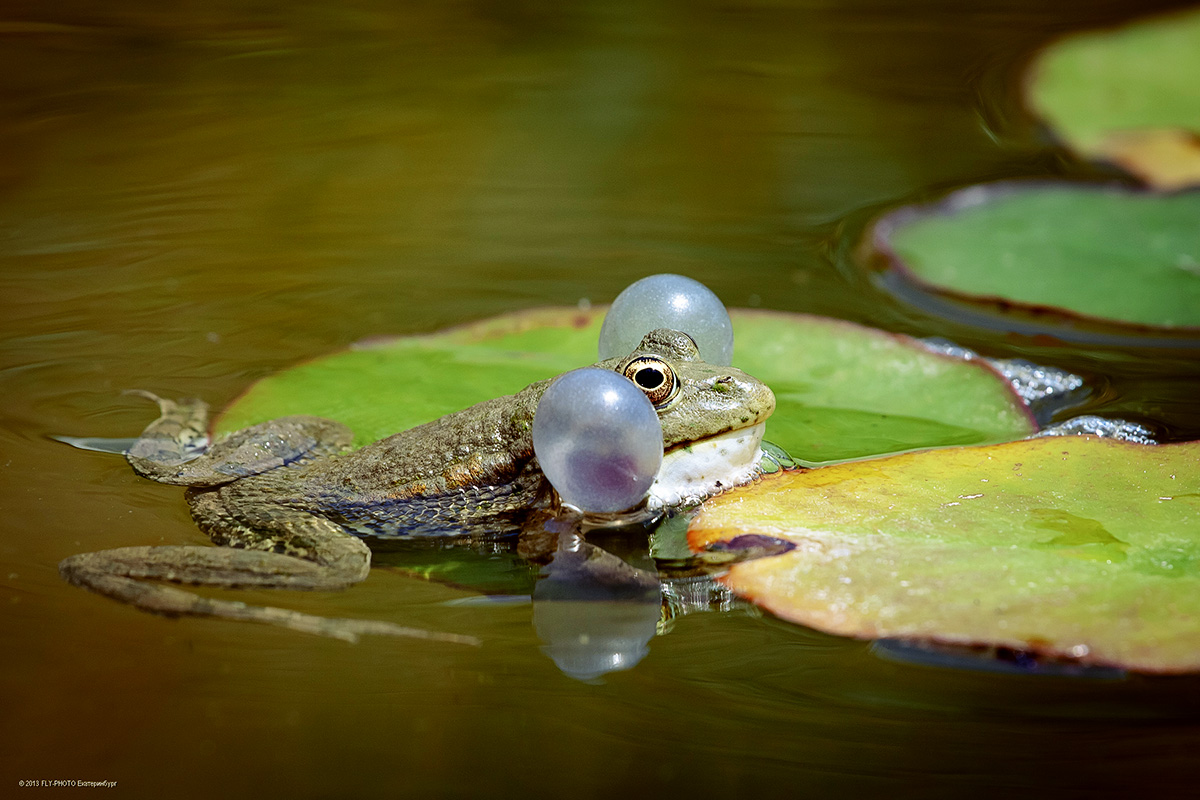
(649, 378)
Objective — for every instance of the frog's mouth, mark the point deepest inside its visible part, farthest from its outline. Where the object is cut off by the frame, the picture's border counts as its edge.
(709, 466)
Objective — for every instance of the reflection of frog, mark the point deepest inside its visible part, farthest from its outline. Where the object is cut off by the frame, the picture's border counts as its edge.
(285, 499)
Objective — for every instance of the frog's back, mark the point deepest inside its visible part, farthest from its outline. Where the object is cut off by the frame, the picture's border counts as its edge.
(474, 468)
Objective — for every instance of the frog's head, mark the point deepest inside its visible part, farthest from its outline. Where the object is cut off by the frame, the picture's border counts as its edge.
(712, 417)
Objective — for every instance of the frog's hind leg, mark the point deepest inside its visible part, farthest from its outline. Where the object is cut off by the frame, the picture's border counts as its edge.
(286, 549)
(174, 448)
(124, 574)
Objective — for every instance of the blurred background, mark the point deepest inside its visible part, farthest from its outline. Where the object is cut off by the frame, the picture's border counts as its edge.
(198, 194)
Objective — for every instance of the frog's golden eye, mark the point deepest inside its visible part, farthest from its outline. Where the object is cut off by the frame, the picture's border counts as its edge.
(654, 377)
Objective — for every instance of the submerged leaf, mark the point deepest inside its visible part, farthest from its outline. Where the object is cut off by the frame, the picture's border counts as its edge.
(1079, 547)
(843, 390)
(503, 574)
(1129, 257)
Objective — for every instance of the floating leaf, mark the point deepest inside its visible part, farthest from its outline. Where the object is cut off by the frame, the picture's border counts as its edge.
(1076, 547)
(1132, 257)
(843, 390)
(846, 391)
(382, 387)
(1128, 96)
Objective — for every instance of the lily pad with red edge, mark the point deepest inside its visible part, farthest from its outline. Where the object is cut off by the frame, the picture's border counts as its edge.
(1079, 548)
(843, 390)
(1127, 96)
(1104, 254)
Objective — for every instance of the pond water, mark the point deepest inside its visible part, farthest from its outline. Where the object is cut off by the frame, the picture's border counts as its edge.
(193, 199)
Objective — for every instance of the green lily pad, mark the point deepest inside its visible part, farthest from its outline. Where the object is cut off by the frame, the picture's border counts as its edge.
(1077, 547)
(843, 390)
(1127, 96)
(502, 573)
(1129, 257)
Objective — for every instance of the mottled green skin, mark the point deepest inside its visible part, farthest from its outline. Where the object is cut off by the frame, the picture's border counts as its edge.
(285, 497)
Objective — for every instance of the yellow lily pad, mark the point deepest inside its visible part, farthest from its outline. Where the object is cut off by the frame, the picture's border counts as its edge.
(1079, 548)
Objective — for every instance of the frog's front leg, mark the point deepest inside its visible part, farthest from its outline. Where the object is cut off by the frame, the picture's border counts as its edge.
(174, 448)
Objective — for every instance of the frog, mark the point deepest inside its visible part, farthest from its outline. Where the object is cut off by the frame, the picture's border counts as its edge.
(290, 504)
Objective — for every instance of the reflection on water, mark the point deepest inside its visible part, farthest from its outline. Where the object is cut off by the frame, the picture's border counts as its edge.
(595, 612)
(193, 197)
(596, 604)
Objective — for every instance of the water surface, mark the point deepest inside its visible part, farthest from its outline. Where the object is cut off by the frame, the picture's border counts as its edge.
(192, 199)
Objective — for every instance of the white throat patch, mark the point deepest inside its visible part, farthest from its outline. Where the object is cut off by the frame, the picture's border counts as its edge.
(690, 474)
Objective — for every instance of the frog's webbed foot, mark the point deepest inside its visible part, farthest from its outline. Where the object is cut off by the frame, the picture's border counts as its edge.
(175, 449)
(122, 574)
